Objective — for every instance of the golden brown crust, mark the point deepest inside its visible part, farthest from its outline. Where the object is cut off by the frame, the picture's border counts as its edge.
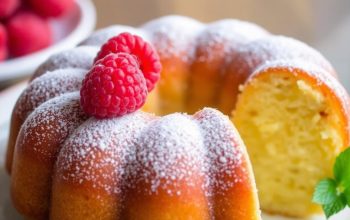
(72, 201)
(215, 47)
(173, 38)
(39, 91)
(36, 150)
(178, 193)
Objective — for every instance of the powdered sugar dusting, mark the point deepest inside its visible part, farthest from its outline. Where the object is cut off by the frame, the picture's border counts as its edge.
(274, 48)
(174, 36)
(224, 148)
(46, 87)
(169, 153)
(228, 32)
(163, 153)
(50, 124)
(101, 36)
(97, 151)
(79, 57)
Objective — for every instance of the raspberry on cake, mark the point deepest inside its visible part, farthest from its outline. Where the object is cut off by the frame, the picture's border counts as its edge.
(113, 87)
(144, 52)
(27, 33)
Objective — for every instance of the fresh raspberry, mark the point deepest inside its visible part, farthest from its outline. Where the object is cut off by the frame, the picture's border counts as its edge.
(3, 43)
(135, 45)
(8, 7)
(27, 33)
(51, 8)
(113, 87)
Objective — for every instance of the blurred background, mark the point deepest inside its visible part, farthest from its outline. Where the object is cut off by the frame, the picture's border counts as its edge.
(323, 24)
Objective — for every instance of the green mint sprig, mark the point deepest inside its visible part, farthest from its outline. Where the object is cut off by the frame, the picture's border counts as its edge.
(334, 194)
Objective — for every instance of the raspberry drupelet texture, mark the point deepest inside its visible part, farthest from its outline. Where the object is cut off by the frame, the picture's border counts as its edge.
(146, 55)
(113, 87)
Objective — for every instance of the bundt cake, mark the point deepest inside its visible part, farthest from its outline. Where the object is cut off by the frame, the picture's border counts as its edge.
(138, 166)
(283, 96)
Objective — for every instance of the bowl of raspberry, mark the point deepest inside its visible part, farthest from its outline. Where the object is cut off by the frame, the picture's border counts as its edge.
(32, 30)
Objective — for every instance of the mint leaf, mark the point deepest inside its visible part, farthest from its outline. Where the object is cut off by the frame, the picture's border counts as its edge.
(334, 194)
(342, 169)
(347, 196)
(325, 192)
(334, 207)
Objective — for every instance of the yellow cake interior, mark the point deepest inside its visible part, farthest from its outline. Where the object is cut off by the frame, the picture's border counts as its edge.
(292, 134)
(292, 139)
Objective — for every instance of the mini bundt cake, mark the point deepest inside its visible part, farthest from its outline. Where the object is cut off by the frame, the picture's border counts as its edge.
(282, 95)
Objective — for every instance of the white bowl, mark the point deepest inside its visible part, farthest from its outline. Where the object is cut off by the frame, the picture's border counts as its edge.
(68, 31)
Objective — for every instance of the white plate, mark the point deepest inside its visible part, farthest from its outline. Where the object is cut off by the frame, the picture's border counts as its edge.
(69, 31)
(7, 211)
